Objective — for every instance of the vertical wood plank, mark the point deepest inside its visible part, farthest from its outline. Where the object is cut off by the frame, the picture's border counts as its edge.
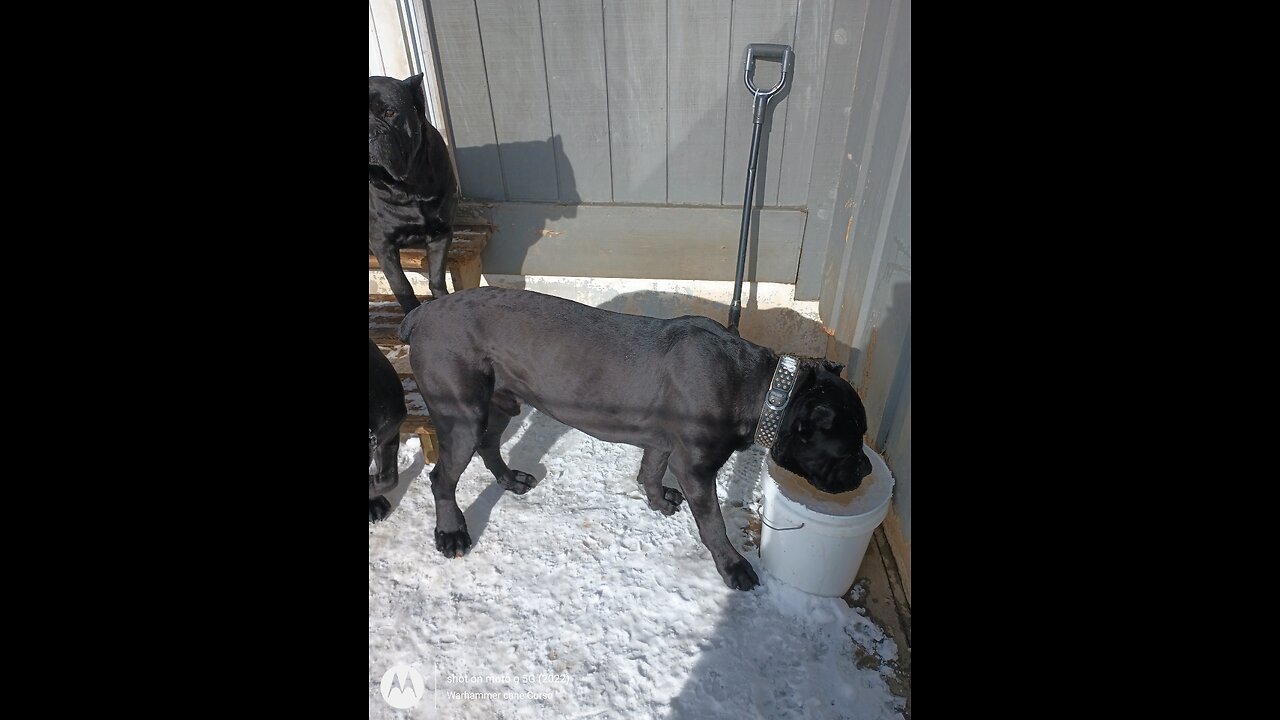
(887, 139)
(375, 51)
(837, 272)
(881, 374)
(394, 53)
(865, 176)
(636, 73)
(466, 91)
(573, 40)
(756, 21)
(512, 36)
(813, 33)
(698, 44)
(825, 208)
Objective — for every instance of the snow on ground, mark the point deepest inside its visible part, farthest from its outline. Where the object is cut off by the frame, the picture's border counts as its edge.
(577, 600)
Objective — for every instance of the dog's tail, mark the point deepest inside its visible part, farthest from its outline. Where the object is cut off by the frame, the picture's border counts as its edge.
(406, 325)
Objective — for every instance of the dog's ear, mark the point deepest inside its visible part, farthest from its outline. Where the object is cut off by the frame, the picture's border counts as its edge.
(416, 91)
(822, 417)
(833, 367)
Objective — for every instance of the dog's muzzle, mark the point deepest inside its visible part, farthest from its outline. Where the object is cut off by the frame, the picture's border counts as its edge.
(385, 155)
(382, 145)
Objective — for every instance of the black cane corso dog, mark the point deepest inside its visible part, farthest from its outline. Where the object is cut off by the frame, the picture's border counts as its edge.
(412, 190)
(686, 390)
(386, 412)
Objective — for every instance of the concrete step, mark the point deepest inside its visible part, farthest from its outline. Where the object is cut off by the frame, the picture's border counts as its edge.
(465, 248)
(384, 320)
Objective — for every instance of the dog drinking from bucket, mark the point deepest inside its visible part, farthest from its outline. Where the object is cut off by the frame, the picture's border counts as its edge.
(686, 390)
(815, 541)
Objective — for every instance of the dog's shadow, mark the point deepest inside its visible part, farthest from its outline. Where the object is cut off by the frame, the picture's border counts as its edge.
(524, 456)
(408, 474)
(540, 434)
(543, 432)
(527, 455)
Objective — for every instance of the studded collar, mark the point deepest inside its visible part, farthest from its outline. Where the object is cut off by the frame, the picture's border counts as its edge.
(776, 399)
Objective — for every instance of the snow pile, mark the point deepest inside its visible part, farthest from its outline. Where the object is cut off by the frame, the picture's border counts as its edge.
(577, 600)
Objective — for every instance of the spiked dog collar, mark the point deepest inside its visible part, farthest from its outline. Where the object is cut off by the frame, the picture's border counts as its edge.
(775, 401)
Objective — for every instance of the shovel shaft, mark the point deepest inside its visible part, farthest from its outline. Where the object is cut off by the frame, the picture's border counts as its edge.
(735, 307)
(784, 55)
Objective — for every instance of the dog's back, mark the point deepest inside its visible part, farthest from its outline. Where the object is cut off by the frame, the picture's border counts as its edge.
(618, 377)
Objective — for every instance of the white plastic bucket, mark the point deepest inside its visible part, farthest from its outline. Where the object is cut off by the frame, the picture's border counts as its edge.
(814, 540)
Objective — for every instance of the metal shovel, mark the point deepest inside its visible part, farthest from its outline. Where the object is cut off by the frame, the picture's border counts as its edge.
(767, 51)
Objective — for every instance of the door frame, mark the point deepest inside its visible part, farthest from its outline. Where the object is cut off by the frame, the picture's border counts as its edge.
(419, 51)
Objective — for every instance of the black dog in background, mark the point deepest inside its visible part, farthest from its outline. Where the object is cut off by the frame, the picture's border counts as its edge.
(412, 190)
(386, 411)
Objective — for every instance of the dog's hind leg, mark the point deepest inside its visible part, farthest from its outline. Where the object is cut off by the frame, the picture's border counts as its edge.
(652, 467)
(457, 395)
(458, 438)
(502, 407)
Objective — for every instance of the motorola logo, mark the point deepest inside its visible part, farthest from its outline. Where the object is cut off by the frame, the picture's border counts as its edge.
(402, 687)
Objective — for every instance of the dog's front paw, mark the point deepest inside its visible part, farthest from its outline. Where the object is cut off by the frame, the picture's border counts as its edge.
(518, 482)
(453, 544)
(669, 503)
(740, 575)
(379, 509)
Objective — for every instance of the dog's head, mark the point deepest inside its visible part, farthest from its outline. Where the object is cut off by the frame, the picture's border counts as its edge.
(820, 435)
(397, 115)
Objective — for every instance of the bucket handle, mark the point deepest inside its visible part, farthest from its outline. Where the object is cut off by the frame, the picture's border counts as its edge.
(765, 520)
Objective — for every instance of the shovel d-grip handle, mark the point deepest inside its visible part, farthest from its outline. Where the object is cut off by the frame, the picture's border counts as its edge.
(767, 51)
